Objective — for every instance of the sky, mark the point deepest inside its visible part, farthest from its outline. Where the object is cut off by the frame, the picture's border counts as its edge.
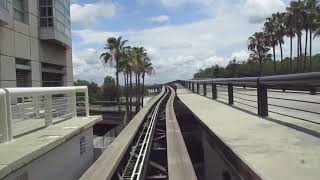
(181, 36)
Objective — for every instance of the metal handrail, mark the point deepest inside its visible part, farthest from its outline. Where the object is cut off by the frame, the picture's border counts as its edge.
(310, 79)
(38, 103)
(302, 81)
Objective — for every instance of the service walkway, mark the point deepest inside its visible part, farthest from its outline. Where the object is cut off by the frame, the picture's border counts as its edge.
(271, 150)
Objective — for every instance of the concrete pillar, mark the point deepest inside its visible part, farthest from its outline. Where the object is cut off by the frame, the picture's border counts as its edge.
(7, 72)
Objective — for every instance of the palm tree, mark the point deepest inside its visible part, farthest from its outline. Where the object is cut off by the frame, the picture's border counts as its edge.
(297, 10)
(258, 45)
(113, 54)
(148, 69)
(270, 29)
(289, 31)
(312, 13)
(127, 64)
(280, 31)
(137, 54)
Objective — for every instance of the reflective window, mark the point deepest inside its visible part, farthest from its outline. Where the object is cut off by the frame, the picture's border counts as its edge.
(46, 13)
(56, 14)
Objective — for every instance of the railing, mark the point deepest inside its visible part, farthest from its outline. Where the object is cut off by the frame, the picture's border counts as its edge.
(23, 110)
(298, 82)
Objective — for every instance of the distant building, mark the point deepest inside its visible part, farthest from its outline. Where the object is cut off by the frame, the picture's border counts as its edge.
(35, 43)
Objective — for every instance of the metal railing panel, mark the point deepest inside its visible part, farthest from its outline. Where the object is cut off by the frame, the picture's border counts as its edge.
(24, 110)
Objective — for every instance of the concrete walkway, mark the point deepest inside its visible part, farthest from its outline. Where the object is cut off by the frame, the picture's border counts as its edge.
(272, 150)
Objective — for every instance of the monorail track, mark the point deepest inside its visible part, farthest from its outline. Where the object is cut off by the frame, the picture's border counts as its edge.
(150, 147)
(158, 147)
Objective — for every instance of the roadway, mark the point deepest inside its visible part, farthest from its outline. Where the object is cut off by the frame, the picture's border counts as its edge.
(276, 147)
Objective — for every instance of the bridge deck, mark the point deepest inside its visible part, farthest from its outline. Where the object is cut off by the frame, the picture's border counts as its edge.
(271, 150)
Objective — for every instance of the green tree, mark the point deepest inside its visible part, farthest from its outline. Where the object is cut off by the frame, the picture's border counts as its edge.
(258, 45)
(113, 53)
(94, 91)
(110, 89)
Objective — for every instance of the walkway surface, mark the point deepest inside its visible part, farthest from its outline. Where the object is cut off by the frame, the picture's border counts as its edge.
(21, 151)
(272, 149)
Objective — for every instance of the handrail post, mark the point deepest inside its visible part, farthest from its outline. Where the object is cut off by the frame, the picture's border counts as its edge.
(230, 93)
(73, 96)
(192, 87)
(9, 117)
(198, 88)
(87, 102)
(214, 91)
(262, 92)
(3, 120)
(205, 89)
(313, 91)
(36, 106)
(48, 109)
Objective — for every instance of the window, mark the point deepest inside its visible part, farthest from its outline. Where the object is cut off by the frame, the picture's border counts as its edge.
(46, 13)
(4, 4)
(52, 75)
(18, 7)
(23, 73)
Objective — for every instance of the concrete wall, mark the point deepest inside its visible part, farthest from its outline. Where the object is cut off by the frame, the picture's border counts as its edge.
(21, 40)
(64, 162)
(216, 168)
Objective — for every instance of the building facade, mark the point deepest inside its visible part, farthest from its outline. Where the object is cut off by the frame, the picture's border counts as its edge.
(35, 43)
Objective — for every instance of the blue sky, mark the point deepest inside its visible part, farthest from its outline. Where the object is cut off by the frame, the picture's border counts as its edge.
(181, 36)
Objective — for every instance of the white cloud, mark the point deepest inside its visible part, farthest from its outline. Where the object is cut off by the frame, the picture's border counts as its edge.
(88, 13)
(180, 2)
(241, 55)
(258, 10)
(178, 51)
(159, 19)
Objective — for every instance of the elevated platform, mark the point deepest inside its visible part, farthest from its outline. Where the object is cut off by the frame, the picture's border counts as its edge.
(269, 149)
(23, 150)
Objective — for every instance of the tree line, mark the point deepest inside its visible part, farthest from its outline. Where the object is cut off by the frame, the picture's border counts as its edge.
(133, 63)
(107, 92)
(301, 20)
